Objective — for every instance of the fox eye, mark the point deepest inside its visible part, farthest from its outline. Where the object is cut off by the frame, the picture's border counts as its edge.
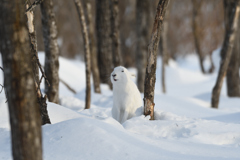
(122, 70)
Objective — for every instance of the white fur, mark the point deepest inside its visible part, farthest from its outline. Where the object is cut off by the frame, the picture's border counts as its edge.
(127, 101)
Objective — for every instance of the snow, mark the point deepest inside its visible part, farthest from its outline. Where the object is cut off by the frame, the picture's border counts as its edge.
(185, 128)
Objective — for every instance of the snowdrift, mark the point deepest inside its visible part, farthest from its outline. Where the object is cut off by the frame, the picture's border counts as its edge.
(185, 128)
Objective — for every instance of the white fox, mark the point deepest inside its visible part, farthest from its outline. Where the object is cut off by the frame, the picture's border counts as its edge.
(127, 101)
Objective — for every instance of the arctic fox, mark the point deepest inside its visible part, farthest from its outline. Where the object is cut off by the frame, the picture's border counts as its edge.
(127, 101)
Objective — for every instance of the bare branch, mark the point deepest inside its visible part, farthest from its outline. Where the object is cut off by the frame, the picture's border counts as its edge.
(1, 88)
(1, 68)
(69, 87)
(35, 3)
(40, 67)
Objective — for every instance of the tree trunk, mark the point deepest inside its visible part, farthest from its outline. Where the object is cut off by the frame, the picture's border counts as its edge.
(226, 52)
(34, 55)
(143, 35)
(233, 85)
(117, 59)
(93, 49)
(164, 37)
(164, 49)
(196, 31)
(51, 66)
(87, 56)
(150, 77)
(163, 61)
(104, 44)
(19, 83)
(212, 68)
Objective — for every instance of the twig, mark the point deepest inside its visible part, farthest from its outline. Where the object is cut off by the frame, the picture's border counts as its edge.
(1, 69)
(35, 3)
(43, 74)
(70, 88)
(3, 87)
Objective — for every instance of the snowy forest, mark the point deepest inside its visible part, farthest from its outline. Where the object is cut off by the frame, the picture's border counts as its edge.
(120, 80)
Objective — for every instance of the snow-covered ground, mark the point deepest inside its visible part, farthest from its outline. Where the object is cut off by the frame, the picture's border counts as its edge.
(186, 127)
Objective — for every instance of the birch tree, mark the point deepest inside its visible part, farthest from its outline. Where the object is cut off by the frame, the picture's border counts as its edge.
(36, 65)
(226, 52)
(150, 76)
(93, 48)
(49, 28)
(87, 55)
(233, 85)
(164, 48)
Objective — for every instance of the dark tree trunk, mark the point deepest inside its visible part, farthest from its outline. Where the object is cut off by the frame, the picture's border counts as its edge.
(117, 59)
(35, 61)
(196, 31)
(143, 36)
(19, 83)
(87, 55)
(150, 77)
(226, 52)
(233, 85)
(93, 49)
(104, 41)
(51, 66)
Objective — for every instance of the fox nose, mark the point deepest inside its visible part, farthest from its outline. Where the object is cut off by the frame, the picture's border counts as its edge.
(114, 75)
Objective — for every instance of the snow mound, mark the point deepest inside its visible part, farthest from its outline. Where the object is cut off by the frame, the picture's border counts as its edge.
(72, 103)
(185, 128)
(59, 113)
(87, 138)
